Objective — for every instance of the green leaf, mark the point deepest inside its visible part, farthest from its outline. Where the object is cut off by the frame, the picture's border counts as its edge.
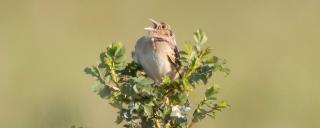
(113, 58)
(138, 87)
(203, 74)
(119, 120)
(227, 71)
(143, 85)
(222, 104)
(200, 37)
(102, 90)
(117, 102)
(131, 69)
(92, 70)
(179, 98)
(143, 81)
(147, 109)
(166, 79)
(198, 115)
(211, 91)
(129, 90)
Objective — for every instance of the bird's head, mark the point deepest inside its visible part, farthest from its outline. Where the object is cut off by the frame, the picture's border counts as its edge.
(160, 30)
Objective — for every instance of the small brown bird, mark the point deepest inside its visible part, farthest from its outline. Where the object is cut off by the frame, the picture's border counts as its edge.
(157, 52)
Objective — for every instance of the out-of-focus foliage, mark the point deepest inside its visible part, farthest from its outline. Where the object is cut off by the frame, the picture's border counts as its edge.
(142, 103)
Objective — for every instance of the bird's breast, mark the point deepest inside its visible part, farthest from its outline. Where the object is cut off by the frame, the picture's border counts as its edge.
(155, 60)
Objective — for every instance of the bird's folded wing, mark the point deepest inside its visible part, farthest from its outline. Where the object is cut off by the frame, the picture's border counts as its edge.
(174, 59)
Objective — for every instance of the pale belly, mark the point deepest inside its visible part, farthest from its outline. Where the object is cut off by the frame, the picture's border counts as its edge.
(156, 65)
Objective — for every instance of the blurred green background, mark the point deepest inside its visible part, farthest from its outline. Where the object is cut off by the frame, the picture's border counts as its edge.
(272, 48)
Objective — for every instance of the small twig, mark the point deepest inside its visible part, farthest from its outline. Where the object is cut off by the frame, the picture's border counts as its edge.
(113, 77)
(105, 82)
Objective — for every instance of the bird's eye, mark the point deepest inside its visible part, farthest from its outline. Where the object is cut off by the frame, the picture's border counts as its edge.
(163, 27)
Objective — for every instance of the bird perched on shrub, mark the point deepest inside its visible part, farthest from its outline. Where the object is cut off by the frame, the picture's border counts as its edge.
(157, 52)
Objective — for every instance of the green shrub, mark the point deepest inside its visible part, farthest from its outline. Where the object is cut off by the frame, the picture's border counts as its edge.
(143, 104)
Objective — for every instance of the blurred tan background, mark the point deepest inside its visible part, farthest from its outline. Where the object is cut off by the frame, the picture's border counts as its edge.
(272, 48)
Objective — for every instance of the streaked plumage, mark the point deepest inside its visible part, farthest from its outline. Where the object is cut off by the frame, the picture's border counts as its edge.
(157, 52)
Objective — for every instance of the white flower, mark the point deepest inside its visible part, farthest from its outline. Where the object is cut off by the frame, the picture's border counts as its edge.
(125, 115)
(186, 108)
(175, 112)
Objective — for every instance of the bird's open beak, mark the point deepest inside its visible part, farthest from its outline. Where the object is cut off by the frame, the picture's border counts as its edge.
(154, 22)
(153, 26)
(149, 29)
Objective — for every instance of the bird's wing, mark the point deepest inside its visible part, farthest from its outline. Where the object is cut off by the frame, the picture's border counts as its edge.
(174, 57)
